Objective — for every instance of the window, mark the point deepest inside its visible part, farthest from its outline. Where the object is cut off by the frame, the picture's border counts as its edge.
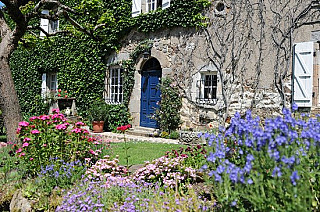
(49, 84)
(115, 87)
(52, 82)
(142, 6)
(53, 26)
(207, 88)
(153, 5)
(49, 26)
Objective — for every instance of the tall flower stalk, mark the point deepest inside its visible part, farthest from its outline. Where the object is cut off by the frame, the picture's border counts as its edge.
(123, 130)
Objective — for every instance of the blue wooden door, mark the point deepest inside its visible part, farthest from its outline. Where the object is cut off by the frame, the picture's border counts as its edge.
(150, 95)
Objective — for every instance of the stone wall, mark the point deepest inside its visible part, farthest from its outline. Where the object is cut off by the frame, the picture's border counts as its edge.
(186, 53)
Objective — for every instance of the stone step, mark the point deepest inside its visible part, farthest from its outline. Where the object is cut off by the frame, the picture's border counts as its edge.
(143, 131)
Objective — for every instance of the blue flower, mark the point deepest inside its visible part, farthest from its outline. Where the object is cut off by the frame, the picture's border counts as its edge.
(234, 203)
(294, 177)
(294, 107)
(276, 172)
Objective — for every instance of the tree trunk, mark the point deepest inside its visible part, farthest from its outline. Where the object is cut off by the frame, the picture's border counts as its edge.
(9, 103)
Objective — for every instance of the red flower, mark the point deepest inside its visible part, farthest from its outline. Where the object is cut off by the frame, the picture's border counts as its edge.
(66, 96)
(124, 128)
(59, 90)
(59, 95)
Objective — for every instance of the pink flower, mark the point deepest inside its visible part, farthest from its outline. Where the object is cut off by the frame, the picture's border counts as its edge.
(62, 126)
(31, 158)
(23, 124)
(84, 131)
(26, 139)
(79, 123)
(18, 130)
(19, 150)
(33, 118)
(44, 117)
(22, 154)
(44, 145)
(93, 152)
(25, 144)
(76, 130)
(55, 110)
(35, 132)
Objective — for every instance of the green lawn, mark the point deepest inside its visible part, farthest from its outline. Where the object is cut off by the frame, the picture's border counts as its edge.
(139, 152)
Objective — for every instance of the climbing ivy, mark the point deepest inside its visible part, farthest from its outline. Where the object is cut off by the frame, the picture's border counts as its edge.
(78, 63)
(80, 59)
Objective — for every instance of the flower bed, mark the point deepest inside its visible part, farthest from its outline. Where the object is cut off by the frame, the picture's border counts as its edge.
(270, 166)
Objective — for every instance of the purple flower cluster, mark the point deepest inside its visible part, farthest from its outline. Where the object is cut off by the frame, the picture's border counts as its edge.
(121, 194)
(283, 140)
(61, 169)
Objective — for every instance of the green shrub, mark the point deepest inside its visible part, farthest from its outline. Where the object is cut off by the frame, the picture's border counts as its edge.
(168, 115)
(174, 135)
(98, 111)
(118, 115)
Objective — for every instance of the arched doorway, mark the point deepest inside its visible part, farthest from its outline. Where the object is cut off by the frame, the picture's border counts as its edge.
(150, 92)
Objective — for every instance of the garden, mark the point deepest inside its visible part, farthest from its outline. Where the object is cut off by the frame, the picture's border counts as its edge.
(250, 165)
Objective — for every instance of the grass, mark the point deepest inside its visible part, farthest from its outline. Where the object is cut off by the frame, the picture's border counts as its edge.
(139, 152)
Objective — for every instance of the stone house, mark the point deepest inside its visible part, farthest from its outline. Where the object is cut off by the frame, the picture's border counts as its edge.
(252, 55)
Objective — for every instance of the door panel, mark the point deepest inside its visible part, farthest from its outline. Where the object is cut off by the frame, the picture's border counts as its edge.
(150, 95)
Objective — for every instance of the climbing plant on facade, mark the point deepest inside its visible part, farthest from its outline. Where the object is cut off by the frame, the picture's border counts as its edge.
(78, 57)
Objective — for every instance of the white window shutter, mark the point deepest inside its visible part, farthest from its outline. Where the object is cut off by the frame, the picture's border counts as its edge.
(136, 7)
(44, 85)
(303, 74)
(165, 4)
(44, 23)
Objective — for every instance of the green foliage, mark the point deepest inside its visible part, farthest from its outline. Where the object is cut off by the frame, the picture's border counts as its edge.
(194, 156)
(174, 135)
(80, 71)
(118, 115)
(185, 13)
(168, 116)
(79, 59)
(98, 111)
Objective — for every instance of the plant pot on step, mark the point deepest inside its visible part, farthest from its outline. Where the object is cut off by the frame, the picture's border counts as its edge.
(97, 126)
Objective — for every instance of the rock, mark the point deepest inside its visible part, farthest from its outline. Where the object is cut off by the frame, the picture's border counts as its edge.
(3, 144)
(134, 168)
(19, 203)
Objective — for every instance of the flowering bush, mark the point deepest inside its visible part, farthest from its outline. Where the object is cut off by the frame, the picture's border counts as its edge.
(269, 168)
(105, 168)
(194, 157)
(167, 171)
(50, 136)
(121, 194)
(62, 94)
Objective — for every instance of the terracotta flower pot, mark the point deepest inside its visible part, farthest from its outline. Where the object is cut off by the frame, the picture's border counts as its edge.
(97, 126)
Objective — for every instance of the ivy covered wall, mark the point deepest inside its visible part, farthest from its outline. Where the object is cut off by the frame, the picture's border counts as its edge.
(79, 59)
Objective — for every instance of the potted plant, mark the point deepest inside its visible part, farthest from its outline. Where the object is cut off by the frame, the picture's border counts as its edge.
(98, 113)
